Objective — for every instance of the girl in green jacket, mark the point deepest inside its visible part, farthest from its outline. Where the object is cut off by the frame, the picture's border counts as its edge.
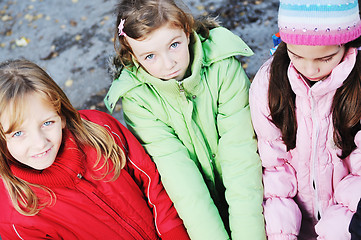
(185, 97)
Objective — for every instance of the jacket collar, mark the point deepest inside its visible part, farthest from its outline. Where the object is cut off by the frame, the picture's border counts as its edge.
(330, 84)
(64, 170)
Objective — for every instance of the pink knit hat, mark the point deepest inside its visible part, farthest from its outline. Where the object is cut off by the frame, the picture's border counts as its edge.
(319, 22)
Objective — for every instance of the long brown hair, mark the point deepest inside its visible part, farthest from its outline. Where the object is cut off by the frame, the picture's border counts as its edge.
(144, 16)
(346, 105)
(18, 78)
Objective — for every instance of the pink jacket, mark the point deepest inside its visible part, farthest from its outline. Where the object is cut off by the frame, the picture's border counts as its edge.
(308, 184)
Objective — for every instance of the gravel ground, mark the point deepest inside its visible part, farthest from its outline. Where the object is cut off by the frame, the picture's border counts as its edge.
(72, 39)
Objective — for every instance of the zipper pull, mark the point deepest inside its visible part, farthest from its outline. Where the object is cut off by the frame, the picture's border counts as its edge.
(180, 85)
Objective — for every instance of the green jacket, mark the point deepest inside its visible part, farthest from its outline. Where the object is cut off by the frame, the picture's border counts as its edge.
(199, 133)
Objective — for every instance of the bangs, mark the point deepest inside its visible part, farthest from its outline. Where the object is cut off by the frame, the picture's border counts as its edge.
(14, 108)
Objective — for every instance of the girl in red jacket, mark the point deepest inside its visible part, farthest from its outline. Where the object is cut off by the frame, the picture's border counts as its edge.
(73, 175)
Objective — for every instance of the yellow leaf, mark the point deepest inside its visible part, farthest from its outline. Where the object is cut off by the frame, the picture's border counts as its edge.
(22, 42)
(78, 37)
(69, 83)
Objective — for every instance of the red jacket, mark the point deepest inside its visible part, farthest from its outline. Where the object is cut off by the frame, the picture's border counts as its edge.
(134, 206)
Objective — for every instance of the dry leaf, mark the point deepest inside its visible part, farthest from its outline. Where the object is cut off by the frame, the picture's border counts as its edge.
(78, 37)
(200, 7)
(69, 83)
(6, 18)
(73, 23)
(22, 42)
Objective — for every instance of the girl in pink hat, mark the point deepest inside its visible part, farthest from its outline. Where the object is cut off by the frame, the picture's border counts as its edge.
(306, 110)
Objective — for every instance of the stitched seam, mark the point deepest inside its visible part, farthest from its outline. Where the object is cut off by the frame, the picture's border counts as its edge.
(17, 232)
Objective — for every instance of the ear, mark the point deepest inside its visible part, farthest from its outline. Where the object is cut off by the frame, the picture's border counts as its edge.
(63, 122)
(188, 37)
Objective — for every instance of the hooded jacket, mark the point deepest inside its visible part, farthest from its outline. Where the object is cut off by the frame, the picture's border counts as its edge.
(199, 133)
(134, 206)
(310, 179)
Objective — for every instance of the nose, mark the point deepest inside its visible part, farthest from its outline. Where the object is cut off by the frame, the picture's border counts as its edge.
(168, 61)
(311, 69)
(39, 139)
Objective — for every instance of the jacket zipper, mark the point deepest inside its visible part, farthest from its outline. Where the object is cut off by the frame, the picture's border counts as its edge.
(181, 89)
(315, 135)
(85, 188)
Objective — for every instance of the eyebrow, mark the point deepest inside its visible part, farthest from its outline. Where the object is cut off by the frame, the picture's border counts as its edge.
(331, 55)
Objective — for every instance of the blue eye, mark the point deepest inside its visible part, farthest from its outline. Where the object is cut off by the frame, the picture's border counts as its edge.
(174, 45)
(18, 134)
(150, 56)
(47, 123)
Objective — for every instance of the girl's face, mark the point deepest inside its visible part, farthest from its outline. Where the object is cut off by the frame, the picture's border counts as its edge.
(37, 140)
(315, 63)
(163, 53)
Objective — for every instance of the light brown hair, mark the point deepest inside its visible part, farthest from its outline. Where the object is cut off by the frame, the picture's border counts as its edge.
(18, 78)
(141, 17)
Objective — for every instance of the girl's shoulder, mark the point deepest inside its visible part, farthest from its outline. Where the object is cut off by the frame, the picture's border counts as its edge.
(222, 43)
(260, 82)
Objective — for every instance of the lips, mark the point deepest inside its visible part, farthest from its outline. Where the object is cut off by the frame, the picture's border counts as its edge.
(313, 79)
(173, 74)
(42, 154)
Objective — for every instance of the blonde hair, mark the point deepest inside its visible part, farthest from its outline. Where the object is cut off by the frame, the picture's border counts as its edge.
(18, 78)
(141, 17)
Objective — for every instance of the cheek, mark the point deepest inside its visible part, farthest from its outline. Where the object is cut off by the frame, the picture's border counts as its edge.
(14, 150)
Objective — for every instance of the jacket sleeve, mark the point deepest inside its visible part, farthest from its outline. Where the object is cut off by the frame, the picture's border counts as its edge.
(180, 175)
(144, 172)
(282, 215)
(347, 195)
(237, 153)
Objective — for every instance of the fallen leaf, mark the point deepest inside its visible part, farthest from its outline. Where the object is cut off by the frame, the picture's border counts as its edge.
(73, 23)
(200, 7)
(69, 83)
(6, 18)
(51, 55)
(22, 42)
(78, 37)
